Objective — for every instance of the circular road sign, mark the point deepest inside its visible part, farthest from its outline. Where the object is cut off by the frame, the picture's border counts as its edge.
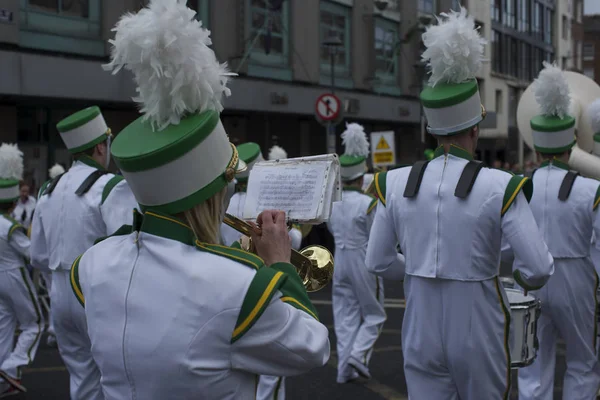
(328, 107)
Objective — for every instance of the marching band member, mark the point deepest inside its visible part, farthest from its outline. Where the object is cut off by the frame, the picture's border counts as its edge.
(449, 215)
(53, 172)
(75, 209)
(358, 312)
(25, 206)
(564, 206)
(593, 114)
(18, 302)
(172, 314)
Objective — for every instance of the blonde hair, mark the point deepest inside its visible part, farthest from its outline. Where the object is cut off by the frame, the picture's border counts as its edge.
(205, 218)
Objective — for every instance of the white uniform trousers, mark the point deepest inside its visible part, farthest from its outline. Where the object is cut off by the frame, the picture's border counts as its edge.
(270, 388)
(358, 312)
(569, 308)
(18, 307)
(73, 341)
(455, 339)
(47, 275)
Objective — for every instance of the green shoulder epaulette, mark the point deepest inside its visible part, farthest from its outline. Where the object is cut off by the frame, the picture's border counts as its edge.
(380, 179)
(264, 285)
(516, 184)
(110, 185)
(241, 256)
(122, 231)
(16, 226)
(43, 188)
(293, 291)
(597, 199)
(372, 205)
(75, 281)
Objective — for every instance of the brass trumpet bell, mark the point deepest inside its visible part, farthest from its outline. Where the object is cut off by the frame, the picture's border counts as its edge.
(314, 264)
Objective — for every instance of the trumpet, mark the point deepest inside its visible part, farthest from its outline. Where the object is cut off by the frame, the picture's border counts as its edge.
(314, 264)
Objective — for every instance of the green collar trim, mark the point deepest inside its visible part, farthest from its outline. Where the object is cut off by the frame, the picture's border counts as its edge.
(166, 226)
(455, 151)
(557, 163)
(352, 189)
(90, 162)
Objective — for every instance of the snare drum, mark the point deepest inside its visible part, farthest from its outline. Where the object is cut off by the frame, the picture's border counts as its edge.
(508, 283)
(525, 311)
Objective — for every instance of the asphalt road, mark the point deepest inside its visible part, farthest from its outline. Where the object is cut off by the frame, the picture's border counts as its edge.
(47, 377)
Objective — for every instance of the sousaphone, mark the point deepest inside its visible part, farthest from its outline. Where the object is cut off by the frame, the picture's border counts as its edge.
(583, 92)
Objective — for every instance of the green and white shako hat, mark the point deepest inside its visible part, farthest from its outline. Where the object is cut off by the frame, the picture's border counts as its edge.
(593, 114)
(251, 154)
(178, 154)
(11, 172)
(83, 130)
(454, 53)
(353, 162)
(554, 129)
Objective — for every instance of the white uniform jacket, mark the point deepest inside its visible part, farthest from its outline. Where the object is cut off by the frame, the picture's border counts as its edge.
(172, 318)
(65, 224)
(443, 236)
(14, 244)
(236, 208)
(24, 211)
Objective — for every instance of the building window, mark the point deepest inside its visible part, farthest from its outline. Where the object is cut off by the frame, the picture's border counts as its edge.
(62, 26)
(427, 6)
(589, 72)
(508, 16)
(564, 63)
(580, 11)
(496, 52)
(268, 33)
(523, 16)
(565, 27)
(588, 52)
(498, 101)
(496, 8)
(386, 57)
(335, 22)
(548, 26)
(456, 4)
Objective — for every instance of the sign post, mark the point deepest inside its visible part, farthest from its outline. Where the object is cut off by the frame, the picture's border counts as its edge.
(328, 110)
(383, 149)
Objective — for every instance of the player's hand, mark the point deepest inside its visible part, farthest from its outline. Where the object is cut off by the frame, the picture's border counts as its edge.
(273, 244)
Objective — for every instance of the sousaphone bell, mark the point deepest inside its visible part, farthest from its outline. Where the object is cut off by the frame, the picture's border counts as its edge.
(314, 264)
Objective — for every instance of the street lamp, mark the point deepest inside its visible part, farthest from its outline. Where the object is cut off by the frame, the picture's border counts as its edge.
(332, 43)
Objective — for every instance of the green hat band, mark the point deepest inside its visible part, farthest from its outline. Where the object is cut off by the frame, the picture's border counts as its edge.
(455, 118)
(9, 190)
(349, 173)
(553, 142)
(83, 130)
(173, 185)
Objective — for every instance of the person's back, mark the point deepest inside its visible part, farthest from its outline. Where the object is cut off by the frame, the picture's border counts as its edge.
(146, 333)
(567, 221)
(351, 219)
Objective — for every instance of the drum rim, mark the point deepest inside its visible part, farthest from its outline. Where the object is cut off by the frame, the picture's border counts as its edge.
(525, 304)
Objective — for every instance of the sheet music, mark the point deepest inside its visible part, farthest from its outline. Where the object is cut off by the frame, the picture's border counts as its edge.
(303, 187)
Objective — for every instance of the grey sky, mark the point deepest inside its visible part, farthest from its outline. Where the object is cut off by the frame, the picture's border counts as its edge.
(592, 6)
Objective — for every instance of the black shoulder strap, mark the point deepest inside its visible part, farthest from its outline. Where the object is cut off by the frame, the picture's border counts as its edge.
(467, 179)
(89, 182)
(414, 178)
(567, 185)
(52, 185)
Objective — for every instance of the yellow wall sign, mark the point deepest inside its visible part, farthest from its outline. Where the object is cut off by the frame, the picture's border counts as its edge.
(383, 149)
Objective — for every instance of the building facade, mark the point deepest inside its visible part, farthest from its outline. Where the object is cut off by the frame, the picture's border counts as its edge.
(591, 47)
(51, 56)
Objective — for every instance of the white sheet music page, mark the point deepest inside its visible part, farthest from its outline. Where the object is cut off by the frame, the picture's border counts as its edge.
(302, 187)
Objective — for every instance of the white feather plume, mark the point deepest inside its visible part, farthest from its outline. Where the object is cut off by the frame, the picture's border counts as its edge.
(552, 92)
(454, 48)
(176, 72)
(11, 162)
(56, 170)
(593, 112)
(355, 140)
(277, 153)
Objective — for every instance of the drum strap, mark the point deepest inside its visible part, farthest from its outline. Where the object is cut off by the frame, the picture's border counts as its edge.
(467, 179)
(89, 182)
(414, 178)
(567, 185)
(52, 184)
